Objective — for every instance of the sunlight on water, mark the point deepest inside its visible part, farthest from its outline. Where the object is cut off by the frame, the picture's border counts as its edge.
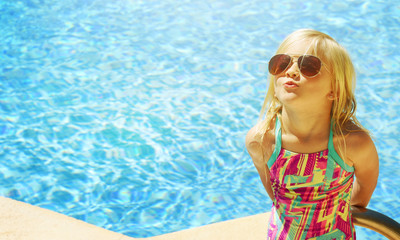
(131, 115)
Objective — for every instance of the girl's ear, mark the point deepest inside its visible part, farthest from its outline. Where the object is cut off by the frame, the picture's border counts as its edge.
(332, 96)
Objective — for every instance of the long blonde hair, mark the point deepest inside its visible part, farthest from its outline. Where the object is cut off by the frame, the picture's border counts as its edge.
(343, 80)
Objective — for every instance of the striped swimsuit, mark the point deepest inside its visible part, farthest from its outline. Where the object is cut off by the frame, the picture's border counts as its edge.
(311, 194)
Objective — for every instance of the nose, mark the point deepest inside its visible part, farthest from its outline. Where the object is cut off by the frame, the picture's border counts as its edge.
(293, 71)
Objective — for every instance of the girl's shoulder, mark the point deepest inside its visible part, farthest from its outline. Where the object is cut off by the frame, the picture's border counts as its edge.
(358, 143)
(361, 151)
(261, 132)
(260, 139)
(356, 135)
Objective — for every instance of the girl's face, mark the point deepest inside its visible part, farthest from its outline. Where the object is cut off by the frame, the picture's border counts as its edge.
(296, 90)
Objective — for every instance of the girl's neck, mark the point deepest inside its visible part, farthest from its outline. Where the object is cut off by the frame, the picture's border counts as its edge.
(305, 124)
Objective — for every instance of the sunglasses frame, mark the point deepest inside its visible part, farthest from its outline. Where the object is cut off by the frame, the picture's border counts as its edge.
(298, 64)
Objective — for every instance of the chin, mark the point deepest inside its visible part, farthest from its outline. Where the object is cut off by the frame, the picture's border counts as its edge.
(287, 98)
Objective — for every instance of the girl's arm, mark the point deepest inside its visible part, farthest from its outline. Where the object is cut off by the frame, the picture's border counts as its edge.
(254, 147)
(366, 164)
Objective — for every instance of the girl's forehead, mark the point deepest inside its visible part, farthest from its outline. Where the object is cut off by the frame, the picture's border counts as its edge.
(299, 48)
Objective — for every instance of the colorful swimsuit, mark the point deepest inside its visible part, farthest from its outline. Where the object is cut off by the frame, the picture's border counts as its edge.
(311, 194)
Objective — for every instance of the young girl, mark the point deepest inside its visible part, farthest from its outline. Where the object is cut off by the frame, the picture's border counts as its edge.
(313, 157)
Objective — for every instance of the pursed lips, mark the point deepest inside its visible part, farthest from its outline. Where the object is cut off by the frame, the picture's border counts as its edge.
(290, 84)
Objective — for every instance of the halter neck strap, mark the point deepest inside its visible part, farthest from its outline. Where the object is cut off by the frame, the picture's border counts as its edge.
(333, 156)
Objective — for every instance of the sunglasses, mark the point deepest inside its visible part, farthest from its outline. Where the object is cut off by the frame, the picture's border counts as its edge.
(309, 65)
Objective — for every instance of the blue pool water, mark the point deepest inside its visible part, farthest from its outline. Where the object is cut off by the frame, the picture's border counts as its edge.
(131, 115)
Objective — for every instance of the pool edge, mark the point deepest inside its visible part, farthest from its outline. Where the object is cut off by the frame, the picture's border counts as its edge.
(252, 227)
(19, 220)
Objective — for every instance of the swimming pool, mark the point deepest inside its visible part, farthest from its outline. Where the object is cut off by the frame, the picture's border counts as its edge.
(131, 115)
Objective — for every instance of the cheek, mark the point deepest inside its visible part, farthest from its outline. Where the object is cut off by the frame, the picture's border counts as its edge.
(275, 82)
(322, 83)
(328, 84)
(278, 81)
(326, 80)
(320, 89)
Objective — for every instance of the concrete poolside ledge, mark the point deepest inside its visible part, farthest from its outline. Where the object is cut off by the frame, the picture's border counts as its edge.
(252, 227)
(22, 221)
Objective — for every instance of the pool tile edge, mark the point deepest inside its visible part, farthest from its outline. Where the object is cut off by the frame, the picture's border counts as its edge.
(22, 221)
(252, 227)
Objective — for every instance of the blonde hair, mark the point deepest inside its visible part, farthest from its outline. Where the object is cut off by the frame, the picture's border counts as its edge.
(338, 62)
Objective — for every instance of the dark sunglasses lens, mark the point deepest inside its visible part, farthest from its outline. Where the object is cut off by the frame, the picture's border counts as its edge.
(278, 63)
(309, 65)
